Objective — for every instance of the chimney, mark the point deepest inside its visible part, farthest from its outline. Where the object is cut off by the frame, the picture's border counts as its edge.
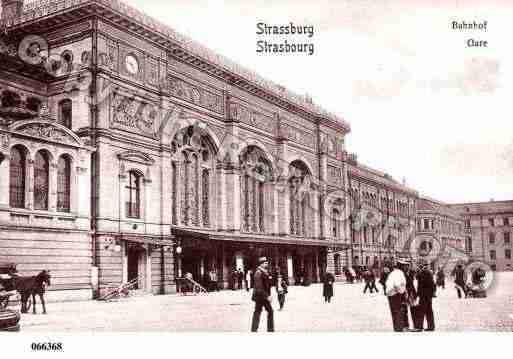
(11, 9)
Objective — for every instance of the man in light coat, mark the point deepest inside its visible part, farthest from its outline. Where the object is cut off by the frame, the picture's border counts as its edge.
(396, 291)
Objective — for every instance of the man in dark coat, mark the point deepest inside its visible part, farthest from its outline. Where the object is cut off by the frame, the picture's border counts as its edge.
(327, 287)
(411, 291)
(262, 296)
(426, 290)
(440, 278)
(459, 280)
(383, 279)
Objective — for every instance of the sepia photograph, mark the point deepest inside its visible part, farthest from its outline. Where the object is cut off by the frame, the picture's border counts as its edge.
(243, 166)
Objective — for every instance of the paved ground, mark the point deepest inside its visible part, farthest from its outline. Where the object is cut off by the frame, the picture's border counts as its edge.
(304, 311)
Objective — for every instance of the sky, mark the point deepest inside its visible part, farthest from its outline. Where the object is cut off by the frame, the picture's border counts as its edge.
(422, 105)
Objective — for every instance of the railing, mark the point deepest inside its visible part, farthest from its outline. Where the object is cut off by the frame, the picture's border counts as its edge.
(186, 285)
(116, 291)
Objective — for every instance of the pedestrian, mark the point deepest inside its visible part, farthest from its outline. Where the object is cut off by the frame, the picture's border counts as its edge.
(426, 292)
(327, 287)
(370, 281)
(440, 278)
(213, 281)
(459, 280)
(249, 283)
(413, 301)
(233, 279)
(383, 279)
(396, 292)
(240, 278)
(281, 289)
(262, 296)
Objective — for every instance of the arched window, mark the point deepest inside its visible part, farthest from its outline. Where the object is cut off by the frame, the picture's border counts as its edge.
(133, 195)
(63, 184)
(299, 187)
(255, 172)
(41, 180)
(192, 166)
(17, 178)
(65, 113)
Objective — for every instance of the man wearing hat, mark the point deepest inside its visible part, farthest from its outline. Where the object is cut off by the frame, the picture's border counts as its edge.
(262, 295)
(396, 292)
(426, 291)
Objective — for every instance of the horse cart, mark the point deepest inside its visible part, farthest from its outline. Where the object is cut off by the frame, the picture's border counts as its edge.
(9, 298)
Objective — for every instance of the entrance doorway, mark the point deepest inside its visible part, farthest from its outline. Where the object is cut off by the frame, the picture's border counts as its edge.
(136, 265)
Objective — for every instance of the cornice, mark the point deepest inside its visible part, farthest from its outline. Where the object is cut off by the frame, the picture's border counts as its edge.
(42, 14)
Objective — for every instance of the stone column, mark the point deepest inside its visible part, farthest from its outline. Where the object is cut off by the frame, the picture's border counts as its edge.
(29, 184)
(283, 207)
(52, 187)
(148, 285)
(221, 198)
(232, 199)
(4, 179)
(290, 269)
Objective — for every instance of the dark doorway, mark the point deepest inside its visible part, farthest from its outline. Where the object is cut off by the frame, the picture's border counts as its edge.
(191, 263)
(133, 264)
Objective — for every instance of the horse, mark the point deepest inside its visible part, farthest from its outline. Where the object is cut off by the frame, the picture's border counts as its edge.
(30, 286)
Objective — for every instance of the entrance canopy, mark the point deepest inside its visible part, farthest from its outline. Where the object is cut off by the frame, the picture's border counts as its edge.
(256, 238)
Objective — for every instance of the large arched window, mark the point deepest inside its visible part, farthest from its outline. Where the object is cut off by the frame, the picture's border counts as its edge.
(299, 187)
(255, 172)
(17, 178)
(63, 184)
(65, 113)
(192, 166)
(133, 195)
(41, 180)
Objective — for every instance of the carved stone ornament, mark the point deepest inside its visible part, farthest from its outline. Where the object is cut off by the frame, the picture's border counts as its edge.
(4, 140)
(135, 156)
(132, 115)
(183, 90)
(47, 131)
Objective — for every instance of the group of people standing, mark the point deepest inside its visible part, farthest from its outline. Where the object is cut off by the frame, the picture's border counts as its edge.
(413, 288)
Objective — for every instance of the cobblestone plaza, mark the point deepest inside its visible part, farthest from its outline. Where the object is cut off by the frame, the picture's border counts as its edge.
(304, 311)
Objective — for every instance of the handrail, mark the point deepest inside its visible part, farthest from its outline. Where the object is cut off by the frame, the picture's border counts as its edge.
(119, 289)
(195, 285)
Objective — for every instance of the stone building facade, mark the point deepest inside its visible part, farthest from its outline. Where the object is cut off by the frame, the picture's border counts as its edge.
(488, 228)
(442, 226)
(131, 152)
(385, 215)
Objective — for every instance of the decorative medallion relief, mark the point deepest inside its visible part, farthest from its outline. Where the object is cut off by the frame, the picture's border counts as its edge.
(252, 118)
(293, 134)
(133, 115)
(198, 96)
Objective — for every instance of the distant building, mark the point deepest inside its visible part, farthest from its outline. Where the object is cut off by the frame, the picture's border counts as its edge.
(439, 222)
(388, 209)
(488, 227)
